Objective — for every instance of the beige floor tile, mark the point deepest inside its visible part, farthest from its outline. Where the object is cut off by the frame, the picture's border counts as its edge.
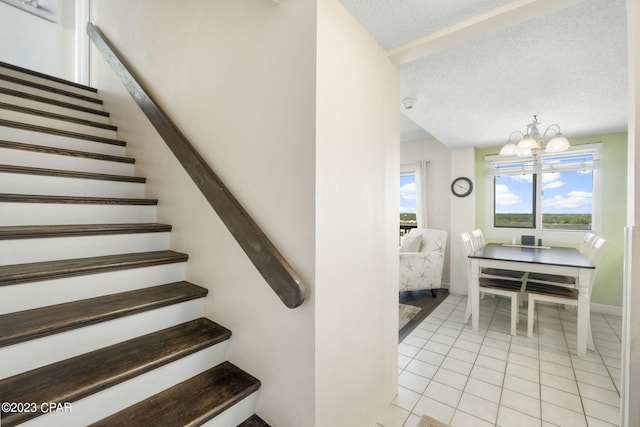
(486, 378)
(462, 419)
(484, 390)
(434, 409)
(561, 398)
(508, 417)
(521, 403)
(478, 407)
(562, 416)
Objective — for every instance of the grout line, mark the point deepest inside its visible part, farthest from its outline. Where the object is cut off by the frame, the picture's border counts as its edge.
(457, 309)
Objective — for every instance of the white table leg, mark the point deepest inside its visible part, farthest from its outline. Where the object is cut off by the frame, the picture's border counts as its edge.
(514, 313)
(474, 294)
(584, 316)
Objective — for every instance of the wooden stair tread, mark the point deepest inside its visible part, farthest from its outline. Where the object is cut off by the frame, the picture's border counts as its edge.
(47, 76)
(60, 132)
(62, 117)
(28, 170)
(191, 402)
(72, 379)
(12, 145)
(67, 230)
(46, 270)
(39, 322)
(50, 89)
(45, 100)
(254, 421)
(79, 200)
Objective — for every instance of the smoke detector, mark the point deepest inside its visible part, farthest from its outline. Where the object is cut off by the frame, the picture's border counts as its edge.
(407, 104)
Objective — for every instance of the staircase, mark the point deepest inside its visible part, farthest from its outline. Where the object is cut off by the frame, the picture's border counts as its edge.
(97, 324)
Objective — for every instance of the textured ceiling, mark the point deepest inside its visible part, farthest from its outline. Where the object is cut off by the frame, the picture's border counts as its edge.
(393, 22)
(569, 67)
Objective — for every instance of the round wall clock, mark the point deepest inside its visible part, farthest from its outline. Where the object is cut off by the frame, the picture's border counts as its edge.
(461, 186)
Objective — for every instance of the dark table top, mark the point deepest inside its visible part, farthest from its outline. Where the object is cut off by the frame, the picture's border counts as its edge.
(565, 257)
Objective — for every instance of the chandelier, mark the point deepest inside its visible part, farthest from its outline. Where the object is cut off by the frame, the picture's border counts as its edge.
(531, 143)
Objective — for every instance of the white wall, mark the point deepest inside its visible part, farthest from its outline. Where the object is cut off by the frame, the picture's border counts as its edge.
(319, 175)
(462, 217)
(438, 185)
(357, 179)
(238, 78)
(33, 42)
(630, 393)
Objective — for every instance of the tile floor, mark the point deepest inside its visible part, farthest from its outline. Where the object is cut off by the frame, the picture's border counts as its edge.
(490, 378)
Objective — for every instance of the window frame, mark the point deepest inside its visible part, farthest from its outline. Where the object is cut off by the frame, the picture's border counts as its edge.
(407, 170)
(534, 204)
(564, 236)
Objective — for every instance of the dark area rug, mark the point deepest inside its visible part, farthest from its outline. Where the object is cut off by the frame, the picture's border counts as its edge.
(422, 300)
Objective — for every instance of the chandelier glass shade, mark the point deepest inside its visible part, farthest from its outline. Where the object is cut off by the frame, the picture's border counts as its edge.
(532, 142)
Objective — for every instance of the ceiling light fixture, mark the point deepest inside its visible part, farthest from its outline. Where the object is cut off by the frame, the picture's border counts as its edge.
(531, 143)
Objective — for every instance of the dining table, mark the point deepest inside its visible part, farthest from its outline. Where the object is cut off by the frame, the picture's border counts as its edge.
(563, 261)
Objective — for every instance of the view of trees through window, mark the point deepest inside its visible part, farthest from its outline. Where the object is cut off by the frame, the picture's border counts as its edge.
(514, 201)
(565, 200)
(408, 200)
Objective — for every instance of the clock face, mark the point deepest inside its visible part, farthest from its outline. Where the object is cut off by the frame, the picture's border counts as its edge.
(461, 186)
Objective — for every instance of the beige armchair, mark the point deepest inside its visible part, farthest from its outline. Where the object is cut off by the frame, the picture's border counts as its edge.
(422, 259)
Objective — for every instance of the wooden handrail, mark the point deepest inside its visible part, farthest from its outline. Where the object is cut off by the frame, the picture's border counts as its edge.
(275, 269)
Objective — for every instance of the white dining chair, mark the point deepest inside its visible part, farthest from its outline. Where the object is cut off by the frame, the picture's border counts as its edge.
(499, 287)
(587, 243)
(478, 241)
(477, 238)
(541, 292)
(559, 280)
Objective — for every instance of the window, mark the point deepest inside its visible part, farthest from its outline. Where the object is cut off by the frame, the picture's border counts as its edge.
(514, 201)
(550, 192)
(567, 194)
(407, 200)
(413, 203)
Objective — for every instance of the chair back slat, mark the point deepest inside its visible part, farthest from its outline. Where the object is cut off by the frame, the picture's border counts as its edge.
(587, 243)
(467, 243)
(468, 246)
(595, 252)
(477, 239)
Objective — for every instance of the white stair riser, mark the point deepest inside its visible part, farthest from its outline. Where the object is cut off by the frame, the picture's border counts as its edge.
(54, 348)
(118, 397)
(25, 296)
(33, 119)
(18, 183)
(47, 82)
(21, 251)
(53, 214)
(49, 140)
(236, 414)
(45, 106)
(51, 95)
(57, 161)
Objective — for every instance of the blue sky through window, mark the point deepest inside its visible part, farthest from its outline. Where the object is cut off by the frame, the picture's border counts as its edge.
(567, 192)
(514, 194)
(407, 194)
(562, 192)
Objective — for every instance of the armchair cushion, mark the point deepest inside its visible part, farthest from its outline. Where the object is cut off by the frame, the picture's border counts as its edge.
(411, 243)
(423, 269)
